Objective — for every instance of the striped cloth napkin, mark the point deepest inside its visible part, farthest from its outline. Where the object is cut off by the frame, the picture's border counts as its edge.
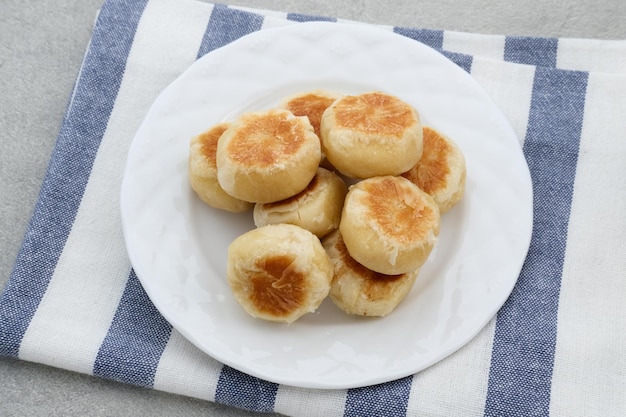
(558, 345)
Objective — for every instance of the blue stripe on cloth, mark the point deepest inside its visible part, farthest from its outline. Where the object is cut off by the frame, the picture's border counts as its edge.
(532, 51)
(432, 38)
(135, 341)
(526, 327)
(69, 169)
(384, 400)
(298, 17)
(462, 60)
(226, 25)
(237, 389)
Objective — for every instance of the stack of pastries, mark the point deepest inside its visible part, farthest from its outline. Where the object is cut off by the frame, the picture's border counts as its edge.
(346, 193)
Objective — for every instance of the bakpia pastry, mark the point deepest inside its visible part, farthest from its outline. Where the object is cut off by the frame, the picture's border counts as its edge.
(358, 290)
(317, 208)
(441, 170)
(389, 225)
(311, 104)
(267, 156)
(371, 134)
(202, 169)
(278, 272)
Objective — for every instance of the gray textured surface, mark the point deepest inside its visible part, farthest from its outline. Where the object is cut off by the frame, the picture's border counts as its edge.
(41, 47)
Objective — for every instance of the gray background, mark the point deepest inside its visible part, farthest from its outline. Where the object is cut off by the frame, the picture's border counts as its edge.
(41, 47)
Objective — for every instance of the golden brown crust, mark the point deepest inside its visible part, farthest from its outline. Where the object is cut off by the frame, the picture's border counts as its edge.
(276, 137)
(277, 289)
(374, 113)
(278, 272)
(267, 156)
(389, 225)
(202, 171)
(398, 212)
(311, 104)
(371, 134)
(208, 142)
(441, 170)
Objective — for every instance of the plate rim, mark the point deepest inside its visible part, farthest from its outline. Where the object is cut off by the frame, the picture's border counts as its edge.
(174, 321)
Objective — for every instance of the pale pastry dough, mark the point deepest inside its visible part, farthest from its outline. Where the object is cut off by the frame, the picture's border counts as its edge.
(358, 290)
(317, 208)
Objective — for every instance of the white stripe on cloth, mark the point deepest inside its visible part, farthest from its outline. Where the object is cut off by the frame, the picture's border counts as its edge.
(85, 290)
(293, 401)
(589, 378)
(457, 386)
(270, 22)
(510, 86)
(265, 12)
(184, 369)
(592, 55)
(487, 46)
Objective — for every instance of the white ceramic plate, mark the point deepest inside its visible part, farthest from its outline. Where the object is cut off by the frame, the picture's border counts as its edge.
(178, 246)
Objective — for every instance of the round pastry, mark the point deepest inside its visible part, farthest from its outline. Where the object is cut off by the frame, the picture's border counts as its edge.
(371, 134)
(278, 272)
(389, 225)
(317, 208)
(311, 104)
(202, 169)
(441, 170)
(267, 156)
(358, 290)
